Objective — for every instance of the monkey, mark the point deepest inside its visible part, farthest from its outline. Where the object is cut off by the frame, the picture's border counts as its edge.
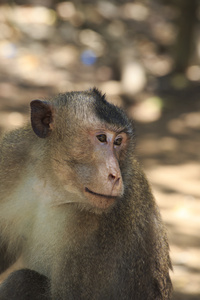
(77, 208)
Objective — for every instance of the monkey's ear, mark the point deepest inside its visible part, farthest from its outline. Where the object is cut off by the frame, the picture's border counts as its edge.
(41, 118)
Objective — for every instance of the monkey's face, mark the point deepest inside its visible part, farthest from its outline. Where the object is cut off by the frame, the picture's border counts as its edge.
(90, 168)
(105, 183)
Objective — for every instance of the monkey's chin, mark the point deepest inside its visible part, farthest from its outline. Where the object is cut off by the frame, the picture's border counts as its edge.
(99, 201)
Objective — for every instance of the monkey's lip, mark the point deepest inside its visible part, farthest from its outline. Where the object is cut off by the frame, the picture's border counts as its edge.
(100, 195)
(100, 201)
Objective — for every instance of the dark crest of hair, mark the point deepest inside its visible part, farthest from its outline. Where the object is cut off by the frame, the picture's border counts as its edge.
(110, 113)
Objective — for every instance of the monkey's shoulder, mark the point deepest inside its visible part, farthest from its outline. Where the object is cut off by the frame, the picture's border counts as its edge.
(16, 143)
(15, 149)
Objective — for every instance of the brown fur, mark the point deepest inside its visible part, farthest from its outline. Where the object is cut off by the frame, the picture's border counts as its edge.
(113, 249)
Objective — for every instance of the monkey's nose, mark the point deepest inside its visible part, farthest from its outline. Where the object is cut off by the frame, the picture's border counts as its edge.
(116, 184)
(114, 179)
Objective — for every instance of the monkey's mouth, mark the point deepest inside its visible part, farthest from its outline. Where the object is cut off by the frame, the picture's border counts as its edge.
(100, 201)
(100, 195)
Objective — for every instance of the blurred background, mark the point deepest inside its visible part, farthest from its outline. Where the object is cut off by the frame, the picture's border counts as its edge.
(145, 56)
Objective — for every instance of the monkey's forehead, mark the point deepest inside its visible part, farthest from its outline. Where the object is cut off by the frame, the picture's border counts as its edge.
(91, 107)
(92, 102)
(106, 116)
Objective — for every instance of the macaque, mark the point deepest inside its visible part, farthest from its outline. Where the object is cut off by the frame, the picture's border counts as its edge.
(76, 207)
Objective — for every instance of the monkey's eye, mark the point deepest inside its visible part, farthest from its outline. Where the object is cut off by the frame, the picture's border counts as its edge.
(102, 138)
(118, 141)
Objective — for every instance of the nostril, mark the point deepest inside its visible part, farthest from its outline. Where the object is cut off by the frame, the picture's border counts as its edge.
(114, 179)
(111, 177)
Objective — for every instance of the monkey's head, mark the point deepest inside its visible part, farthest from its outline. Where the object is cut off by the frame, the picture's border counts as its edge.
(88, 141)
